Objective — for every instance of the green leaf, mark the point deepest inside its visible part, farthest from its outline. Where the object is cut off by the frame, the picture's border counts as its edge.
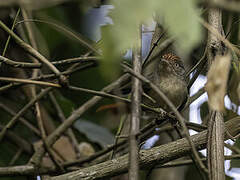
(127, 17)
(180, 18)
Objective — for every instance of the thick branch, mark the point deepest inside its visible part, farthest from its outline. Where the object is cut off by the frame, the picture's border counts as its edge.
(160, 155)
(216, 125)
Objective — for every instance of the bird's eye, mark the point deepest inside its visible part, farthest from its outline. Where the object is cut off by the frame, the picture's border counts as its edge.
(176, 64)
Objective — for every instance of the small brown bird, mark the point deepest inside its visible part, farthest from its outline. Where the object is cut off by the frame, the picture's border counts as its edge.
(168, 74)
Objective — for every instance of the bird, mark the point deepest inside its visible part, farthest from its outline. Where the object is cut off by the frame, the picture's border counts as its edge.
(169, 75)
(167, 72)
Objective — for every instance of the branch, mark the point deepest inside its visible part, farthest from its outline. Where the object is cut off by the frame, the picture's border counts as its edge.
(31, 50)
(215, 147)
(48, 76)
(62, 117)
(81, 59)
(27, 81)
(61, 28)
(159, 155)
(22, 111)
(9, 37)
(190, 162)
(142, 133)
(19, 64)
(135, 114)
(21, 119)
(51, 139)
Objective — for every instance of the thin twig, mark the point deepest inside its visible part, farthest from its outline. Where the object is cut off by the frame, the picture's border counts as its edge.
(153, 47)
(15, 64)
(123, 119)
(43, 135)
(107, 95)
(9, 37)
(16, 156)
(81, 59)
(19, 64)
(194, 97)
(199, 66)
(63, 28)
(22, 111)
(61, 115)
(21, 119)
(48, 76)
(28, 81)
(29, 48)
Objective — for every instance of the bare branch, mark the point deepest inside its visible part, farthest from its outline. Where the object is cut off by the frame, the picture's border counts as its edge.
(31, 50)
(51, 139)
(19, 64)
(135, 114)
(21, 119)
(21, 112)
(215, 147)
(160, 155)
(27, 81)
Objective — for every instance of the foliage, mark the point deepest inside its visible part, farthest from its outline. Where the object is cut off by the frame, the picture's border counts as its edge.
(181, 21)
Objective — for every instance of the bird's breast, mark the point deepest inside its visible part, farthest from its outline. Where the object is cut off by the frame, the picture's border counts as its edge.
(173, 87)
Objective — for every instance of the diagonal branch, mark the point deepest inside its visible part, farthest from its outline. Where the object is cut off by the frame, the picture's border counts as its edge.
(159, 155)
(22, 111)
(31, 50)
(51, 139)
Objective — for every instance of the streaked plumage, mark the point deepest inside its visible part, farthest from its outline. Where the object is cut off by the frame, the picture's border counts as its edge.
(168, 74)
